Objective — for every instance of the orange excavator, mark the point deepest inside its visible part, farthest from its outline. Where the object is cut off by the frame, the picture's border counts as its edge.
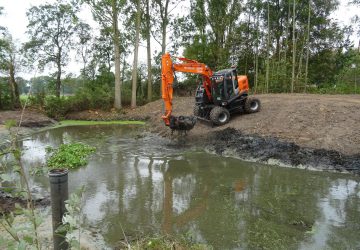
(218, 96)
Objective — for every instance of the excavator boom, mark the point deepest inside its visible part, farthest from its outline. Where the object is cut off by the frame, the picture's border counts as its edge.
(168, 68)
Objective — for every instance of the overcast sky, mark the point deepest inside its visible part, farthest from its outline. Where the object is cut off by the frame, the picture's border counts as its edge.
(15, 20)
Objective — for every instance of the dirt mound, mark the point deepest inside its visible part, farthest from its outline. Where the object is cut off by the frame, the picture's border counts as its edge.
(330, 122)
(317, 131)
(30, 118)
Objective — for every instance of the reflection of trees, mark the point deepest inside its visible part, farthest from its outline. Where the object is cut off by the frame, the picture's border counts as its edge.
(220, 201)
(195, 209)
(283, 208)
(346, 234)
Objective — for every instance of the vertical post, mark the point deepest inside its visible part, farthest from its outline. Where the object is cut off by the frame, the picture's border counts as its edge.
(59, 194)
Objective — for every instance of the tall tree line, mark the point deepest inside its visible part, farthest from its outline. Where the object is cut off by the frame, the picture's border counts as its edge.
(282, 45)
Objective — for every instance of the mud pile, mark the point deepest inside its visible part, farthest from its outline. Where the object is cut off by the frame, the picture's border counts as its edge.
(232, 142)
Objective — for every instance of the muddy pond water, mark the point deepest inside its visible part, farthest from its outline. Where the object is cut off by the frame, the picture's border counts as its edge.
(143, 184)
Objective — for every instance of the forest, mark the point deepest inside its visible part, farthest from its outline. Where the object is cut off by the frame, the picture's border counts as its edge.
(283, 46)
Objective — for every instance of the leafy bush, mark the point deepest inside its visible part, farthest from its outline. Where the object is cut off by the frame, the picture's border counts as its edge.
(36, 100)
(71, 155)
(56, 107)
(98, 97)
(5, 98)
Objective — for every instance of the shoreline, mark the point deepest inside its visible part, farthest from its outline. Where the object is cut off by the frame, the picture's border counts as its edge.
(230, 142)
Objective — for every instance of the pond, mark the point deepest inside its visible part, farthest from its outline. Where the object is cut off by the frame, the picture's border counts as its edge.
(143, 184)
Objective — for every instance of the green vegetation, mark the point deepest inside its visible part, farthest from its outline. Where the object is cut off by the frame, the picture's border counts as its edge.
(70, 156)
(65, 123)
(164, 243)
(71, 220)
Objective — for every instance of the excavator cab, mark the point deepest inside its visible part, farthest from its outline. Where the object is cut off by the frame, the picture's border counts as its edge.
(225, 86)
(229, 94)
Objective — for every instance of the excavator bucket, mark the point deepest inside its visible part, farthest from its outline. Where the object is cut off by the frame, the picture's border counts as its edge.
(182, 123)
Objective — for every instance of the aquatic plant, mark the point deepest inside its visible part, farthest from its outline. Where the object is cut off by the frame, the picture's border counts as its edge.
(72, 155)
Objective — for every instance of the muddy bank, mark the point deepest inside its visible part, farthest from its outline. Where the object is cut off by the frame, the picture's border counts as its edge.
(301, 130)
(31, 121)
(30, 118)
(7, 202)
(330, 122)
(232, 142)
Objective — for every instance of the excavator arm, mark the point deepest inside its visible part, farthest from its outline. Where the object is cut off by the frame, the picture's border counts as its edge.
(168, 68)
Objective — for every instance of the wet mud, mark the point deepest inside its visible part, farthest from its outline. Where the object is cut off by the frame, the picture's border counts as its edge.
(7, 203)
(232, 142)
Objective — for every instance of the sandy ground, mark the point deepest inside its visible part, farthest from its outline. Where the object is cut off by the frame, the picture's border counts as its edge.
(330, 122)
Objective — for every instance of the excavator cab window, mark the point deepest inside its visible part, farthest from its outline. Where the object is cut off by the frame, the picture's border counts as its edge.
(225, 85)
(217, 83)
(229, 86)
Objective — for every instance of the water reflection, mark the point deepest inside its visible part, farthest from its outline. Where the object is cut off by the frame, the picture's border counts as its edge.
(142, 184)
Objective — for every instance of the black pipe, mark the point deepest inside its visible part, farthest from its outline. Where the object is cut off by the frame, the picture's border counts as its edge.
(59, 194)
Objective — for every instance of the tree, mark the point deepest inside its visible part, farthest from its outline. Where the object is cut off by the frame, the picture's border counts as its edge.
(148, 50)
(307, 46)
(166, 23)
(103, 50)
(214, 38)
(9, 63)
(84, 44)
(268, 49)
(106, 12)
(51, 28)
(136, 50)
(293, 47)
(163, 10)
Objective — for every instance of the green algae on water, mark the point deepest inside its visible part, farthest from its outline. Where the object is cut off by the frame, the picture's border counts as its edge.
(85, 123)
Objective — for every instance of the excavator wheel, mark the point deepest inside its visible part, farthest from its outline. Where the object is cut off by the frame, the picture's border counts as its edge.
(252, 105)
(219, 116)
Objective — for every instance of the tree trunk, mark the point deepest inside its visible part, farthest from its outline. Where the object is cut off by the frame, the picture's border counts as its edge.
(294, 49)
(58, 74)
(257, 53)
(116, 38)
(163, 42)
(268, 51)
(148, 39)
(13, 86)
(134, 71)
(164, 26)
(307, 47)
(1, 105)
(285, 82)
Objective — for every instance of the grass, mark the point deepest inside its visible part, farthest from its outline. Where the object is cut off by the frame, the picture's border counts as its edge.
(65, 123)
(163, 243)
